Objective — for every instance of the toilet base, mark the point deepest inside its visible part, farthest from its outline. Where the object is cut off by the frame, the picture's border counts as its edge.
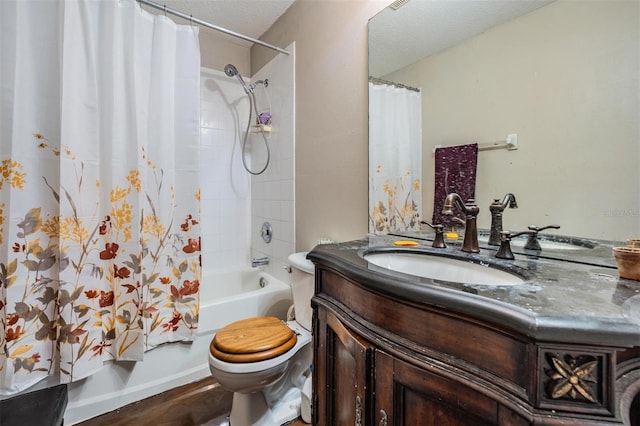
(252, 409)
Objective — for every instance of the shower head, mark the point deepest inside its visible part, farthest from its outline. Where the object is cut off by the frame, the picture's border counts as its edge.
(230, 70)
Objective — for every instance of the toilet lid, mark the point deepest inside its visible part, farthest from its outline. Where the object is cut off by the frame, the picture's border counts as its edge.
(252, 339)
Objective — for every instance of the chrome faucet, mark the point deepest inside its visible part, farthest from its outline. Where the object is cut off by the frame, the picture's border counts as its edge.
(258, 261)
(470, 242)
(496, 208)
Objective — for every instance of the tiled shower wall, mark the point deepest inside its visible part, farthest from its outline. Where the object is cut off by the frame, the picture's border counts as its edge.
(234, 203)
(225, 186)
(272, 193)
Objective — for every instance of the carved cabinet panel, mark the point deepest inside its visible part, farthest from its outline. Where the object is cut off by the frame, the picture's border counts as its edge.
(383, 361)
(577, 377)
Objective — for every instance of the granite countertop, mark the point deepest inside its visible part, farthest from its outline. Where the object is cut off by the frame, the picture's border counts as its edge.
(579, 250)
(559, 301)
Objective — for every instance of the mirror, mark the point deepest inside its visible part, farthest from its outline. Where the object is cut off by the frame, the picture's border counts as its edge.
(562, 75)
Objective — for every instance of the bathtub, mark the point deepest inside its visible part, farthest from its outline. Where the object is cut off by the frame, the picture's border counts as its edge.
(224, 297)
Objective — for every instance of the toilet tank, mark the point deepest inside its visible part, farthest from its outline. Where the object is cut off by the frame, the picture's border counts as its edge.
(302, 286)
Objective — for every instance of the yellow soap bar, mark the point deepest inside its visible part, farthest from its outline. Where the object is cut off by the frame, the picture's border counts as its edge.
(405, 243)
(451, 235)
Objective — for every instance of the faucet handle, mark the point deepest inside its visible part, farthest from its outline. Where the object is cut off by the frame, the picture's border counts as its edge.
(538, 229)
(532, 241)
(438, 241)
(504, 252)
(460, 221)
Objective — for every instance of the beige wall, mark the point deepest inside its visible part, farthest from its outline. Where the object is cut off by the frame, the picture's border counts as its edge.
(218, 50)
(565, 78)
(331, 114)
(331, 134)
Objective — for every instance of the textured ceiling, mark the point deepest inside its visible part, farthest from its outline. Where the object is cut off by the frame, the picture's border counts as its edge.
(397, 37)
(420, 28)
(248, 17)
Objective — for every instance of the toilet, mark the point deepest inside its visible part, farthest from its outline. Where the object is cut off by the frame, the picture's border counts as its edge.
(266, 362)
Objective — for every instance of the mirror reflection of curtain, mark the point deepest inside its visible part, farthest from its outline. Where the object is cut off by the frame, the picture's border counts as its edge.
(395, 159)
(99, 197)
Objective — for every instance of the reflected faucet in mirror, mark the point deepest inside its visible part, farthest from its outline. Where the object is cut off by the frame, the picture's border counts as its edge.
(504, 252)
(496, 208)
(532, 241)
(471, 210)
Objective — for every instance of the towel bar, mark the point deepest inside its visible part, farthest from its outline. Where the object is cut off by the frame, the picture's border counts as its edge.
(510, 143)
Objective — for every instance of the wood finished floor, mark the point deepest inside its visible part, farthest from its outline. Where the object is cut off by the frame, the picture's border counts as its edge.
(202, 403)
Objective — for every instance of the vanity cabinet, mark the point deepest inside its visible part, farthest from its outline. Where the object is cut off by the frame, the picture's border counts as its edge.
(348, 361)
(380, 359)
(408, 394)
(365, 386)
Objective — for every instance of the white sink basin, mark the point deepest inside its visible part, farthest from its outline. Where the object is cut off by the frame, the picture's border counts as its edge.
(443, 268)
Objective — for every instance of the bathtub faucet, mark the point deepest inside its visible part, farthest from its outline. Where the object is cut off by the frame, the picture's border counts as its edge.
(257, 261)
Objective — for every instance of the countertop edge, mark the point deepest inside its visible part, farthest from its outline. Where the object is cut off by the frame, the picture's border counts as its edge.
(547, 328)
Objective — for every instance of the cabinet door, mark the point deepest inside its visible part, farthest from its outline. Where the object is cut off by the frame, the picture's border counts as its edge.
(409, 395)
(384, 390)
(343, 370)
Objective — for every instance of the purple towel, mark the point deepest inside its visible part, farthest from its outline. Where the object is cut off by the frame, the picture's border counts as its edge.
(455, 171)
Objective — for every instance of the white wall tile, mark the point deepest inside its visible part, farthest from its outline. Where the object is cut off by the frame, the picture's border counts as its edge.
(225, 191)
(235, 204)
(272, 191)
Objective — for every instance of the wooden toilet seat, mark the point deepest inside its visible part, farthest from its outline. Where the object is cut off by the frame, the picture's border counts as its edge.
(252, 340)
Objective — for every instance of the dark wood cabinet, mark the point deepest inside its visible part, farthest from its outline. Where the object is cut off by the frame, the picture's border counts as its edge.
(410, 395)
(382, 360)
(348, 361)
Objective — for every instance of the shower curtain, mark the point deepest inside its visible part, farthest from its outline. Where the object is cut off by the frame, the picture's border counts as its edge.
(395, 159)
(99, 204)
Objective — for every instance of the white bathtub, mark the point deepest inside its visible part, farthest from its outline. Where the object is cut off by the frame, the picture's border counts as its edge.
(224, 297)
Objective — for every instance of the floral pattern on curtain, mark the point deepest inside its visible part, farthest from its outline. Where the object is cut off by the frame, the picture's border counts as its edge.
(395, 159)
(99, 197)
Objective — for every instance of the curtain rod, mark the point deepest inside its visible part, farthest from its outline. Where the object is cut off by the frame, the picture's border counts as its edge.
(191, 19)
(376, 80)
